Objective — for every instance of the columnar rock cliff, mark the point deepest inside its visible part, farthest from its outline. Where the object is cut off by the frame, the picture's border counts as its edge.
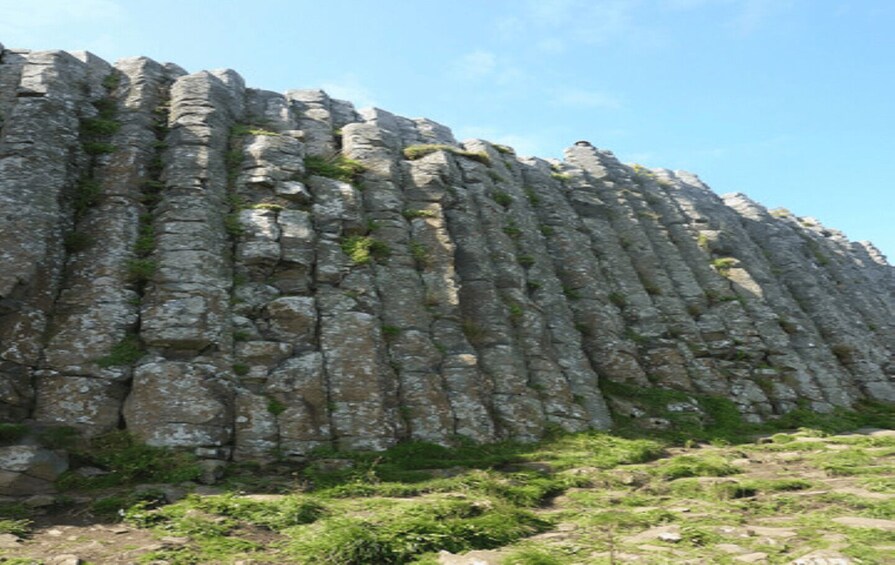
(252, 274)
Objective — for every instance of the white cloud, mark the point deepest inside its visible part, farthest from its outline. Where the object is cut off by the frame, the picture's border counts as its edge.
(752, 14)
(350, 88)
(475, 65)
(582, 21)
(580, 98)
(552, 45)
(21, 21)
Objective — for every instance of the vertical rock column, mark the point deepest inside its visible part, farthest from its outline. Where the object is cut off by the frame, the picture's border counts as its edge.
(39, 160)
(423, 404)
(182, 395)
(98, 307)
(428, 193)
(362, 387)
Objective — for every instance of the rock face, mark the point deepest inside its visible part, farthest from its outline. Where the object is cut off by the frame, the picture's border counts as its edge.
(180, 259)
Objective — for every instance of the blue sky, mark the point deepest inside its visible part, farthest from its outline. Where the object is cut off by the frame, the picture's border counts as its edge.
(788, 101)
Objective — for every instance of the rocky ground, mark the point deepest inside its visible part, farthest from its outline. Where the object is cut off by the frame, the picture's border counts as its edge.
(802, 497)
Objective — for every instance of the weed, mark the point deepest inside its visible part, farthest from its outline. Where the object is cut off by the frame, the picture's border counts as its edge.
(411, 214)
(126, 352)
(532, 196)
(364, 249)
(494, 176)
(702, 241)
(561, 177)
(87, 195)
(473, 331)
(11, 433)
(76, 241)
(420, 254)
(502, 198)
(240, 369)
(59, 437)
(232, 225)
(336, 167)
(390, 332)
(617, 299)
(268, 206)
(98, 147)
(525, 260)
(504, 149)
(99, 127)
(275, 407)
(145, 244)
(415, 152)
(112, 80)
(249, 129)
(512, 229)
(140, 270)
(696, 466)
(723, 265)
(19, 528)
(571, 293)
(130, 461)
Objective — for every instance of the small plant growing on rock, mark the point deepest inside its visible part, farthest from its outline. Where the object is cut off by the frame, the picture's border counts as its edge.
(512, 229)
(617, 299)
(415, 152)
(125, 352)
(76, 241)
(526, 260)
(723, 265)
(275, 407)
(336, 167)
(502, 198)
(561, 177)
(364, 249)
(411, 214)
(420, 254)
(86, 195)
(141, 270)
(251, 129)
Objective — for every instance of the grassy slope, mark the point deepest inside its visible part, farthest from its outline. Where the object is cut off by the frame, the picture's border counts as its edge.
(584, 498)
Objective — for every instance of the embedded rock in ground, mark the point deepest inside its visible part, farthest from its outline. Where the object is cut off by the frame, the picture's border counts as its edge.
(28, 469)
(254, 275)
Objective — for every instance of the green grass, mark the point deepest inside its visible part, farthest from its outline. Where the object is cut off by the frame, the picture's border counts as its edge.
(407, 503)
(87, 194)
(419, 151)
(98, 148)
(250, 129)
(129, 461)
(126, 352)
(695, 466)
(19, 528)
(364, 249)
(404, 532)
(502, 198)
(416, 213)
(140, 270)
(11, 433)
(76, 241)
(99, 127)
(336, 167)
(723, 265)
